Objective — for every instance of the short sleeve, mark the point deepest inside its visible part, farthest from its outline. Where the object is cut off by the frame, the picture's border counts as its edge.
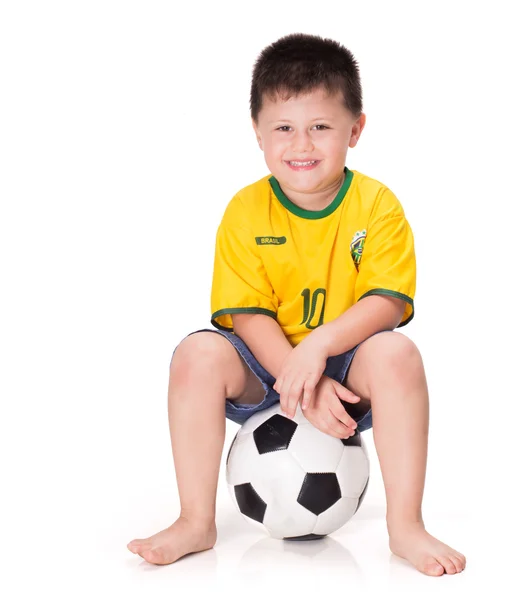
(388, 265)
(239, 283)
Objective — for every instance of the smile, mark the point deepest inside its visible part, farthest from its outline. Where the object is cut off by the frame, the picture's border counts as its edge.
(302, 166)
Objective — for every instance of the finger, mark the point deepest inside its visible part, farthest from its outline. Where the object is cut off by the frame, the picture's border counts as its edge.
(328, 428)
(294, 393)
(339, 412)
(283, 390)
(309, 388)
(344, 431)
(282, 398)
(280, 382)
(344, 394)
(341, 431)
(336, 426)
(338, 429)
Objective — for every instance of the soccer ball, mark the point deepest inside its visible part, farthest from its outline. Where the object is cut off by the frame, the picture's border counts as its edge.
(292, 480)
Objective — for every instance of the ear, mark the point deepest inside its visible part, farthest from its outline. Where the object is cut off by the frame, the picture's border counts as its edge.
(357, 130)
(257, 134)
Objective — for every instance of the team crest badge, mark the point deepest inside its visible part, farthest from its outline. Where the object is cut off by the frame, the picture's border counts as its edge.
(357, 247)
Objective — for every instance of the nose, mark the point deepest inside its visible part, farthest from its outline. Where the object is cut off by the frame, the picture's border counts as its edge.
(302, 142)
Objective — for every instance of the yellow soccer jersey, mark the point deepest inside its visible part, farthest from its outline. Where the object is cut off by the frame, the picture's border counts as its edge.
(305, 268)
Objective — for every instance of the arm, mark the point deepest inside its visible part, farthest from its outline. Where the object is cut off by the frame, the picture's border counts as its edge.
(365, 318)
(265, 338)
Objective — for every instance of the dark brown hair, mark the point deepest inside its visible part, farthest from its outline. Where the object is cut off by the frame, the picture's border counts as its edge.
(300, 63)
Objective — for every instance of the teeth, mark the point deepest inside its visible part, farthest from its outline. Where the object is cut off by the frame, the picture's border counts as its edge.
(302, 164)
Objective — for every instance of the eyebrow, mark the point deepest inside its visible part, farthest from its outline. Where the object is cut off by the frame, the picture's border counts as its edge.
(288, 121)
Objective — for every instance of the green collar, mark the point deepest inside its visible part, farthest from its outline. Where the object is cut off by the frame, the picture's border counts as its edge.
(312, 214)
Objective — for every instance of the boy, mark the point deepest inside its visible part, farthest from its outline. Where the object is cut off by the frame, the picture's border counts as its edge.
(314, 269)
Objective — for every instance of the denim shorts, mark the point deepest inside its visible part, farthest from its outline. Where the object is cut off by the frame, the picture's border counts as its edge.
(337, 368)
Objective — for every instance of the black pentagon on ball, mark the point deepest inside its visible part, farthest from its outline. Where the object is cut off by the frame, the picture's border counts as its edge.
(319, 491)
(354, 440)
(274, 434)
(303, 538)
(362, 495)
(249, 502)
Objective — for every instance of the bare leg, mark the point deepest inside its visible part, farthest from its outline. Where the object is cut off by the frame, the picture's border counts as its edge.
(205, 370)
(388, 370)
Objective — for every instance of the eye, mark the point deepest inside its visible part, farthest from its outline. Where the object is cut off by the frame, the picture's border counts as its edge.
(287, 127)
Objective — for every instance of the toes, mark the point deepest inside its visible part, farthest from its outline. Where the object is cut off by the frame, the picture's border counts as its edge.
(133, 546)
(144, 553)
(153, 556)
(462, 559)
(141, 548)
(432, 567)
(457, 562)
(448, 565)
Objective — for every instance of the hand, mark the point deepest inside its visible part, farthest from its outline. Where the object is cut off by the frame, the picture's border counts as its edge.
(327, 412)
(301, 371)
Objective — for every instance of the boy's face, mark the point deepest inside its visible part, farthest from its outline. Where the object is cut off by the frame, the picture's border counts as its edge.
(313, 127)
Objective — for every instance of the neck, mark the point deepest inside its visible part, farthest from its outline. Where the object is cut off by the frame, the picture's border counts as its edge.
(318, 200)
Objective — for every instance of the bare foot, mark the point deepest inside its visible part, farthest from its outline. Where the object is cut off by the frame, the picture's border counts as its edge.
(426, 553)
(181, 538)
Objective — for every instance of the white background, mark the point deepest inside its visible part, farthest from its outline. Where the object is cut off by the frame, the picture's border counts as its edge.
(124, 132)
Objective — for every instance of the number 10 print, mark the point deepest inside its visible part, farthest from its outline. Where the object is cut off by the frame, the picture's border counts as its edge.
(310, 307)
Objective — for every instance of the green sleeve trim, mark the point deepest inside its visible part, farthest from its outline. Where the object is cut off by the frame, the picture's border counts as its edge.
(228, 311)
(384, 292)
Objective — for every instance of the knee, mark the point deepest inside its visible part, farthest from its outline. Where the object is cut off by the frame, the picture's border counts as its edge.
(197, 352)
(396, 352)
